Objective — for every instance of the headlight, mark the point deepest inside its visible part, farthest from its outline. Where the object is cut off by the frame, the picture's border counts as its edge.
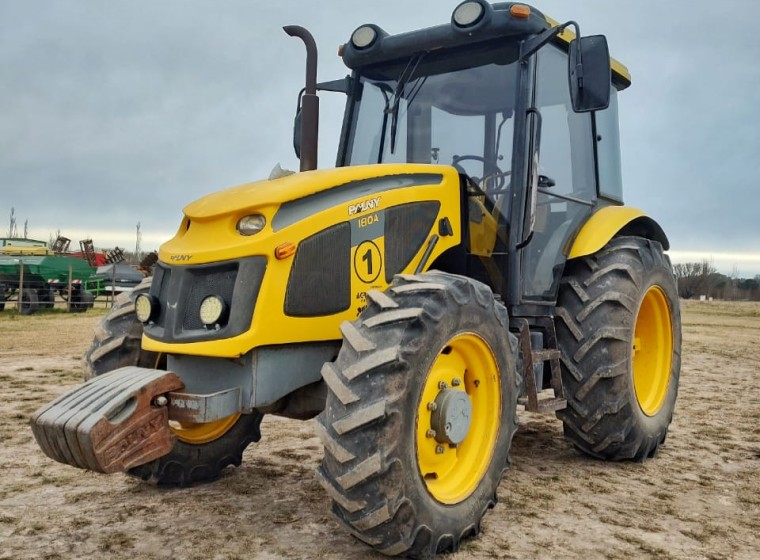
(363, 37)
(468, 13)
(212, 310)
(248, 225)
(146, 307)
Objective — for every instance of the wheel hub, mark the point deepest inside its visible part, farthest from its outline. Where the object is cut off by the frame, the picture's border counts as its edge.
(452, 416)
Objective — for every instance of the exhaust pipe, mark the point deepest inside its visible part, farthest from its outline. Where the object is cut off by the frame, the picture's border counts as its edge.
(309, 101)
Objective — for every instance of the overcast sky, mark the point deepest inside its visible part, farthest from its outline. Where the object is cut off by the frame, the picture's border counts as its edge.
(119, 111)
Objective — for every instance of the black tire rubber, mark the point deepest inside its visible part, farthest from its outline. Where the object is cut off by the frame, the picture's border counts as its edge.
(46, 298)
(599, 300)
(29, 302)
(370, 467)
(117, 344)
(117, 338)
(82, 301)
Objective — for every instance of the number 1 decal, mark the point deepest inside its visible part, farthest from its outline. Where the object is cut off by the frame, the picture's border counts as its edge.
(368, 261)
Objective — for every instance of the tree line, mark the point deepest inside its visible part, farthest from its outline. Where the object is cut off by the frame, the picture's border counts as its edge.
(697, 279)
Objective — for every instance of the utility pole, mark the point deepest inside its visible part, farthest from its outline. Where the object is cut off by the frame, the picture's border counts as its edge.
(138, 249)
(12, 229)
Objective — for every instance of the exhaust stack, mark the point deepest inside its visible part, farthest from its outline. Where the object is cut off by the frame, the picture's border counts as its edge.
(309, 101)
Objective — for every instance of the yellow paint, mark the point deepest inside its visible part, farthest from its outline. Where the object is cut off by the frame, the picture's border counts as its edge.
(601, 227)
(198, 434)
(482, 233)
(212, 238)
(568, 35)
(452, 474)
(27, 251)
(652, 351)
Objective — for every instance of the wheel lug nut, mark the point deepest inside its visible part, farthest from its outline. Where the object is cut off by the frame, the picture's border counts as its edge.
(442, 385)
(430, 434)
(456, 382)
(432, 406)
(439, 449)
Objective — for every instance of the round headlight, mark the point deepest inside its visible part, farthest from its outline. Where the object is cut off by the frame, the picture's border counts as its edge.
(248, 225)
(468, 13)
(145, 307)
(212, 309)
(364, 37)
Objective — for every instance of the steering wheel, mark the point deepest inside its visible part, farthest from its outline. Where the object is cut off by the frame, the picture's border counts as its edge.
(490, 169)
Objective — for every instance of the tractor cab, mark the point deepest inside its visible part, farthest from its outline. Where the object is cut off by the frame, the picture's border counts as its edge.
(494, 94)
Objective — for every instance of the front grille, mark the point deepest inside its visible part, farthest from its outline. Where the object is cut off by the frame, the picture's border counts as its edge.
(204, 283)
(181, 289)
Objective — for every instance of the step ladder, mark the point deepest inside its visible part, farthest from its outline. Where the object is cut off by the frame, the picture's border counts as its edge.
(530, 358)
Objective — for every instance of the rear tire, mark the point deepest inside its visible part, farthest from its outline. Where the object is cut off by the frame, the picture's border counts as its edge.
(619, 332)
(82, 301)
(117, 344)
(394, 484)
(46, 297)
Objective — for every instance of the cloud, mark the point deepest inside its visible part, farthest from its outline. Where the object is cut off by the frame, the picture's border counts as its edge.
(118, 112)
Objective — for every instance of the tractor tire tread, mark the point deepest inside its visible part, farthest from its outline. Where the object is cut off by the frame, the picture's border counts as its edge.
(596, 313)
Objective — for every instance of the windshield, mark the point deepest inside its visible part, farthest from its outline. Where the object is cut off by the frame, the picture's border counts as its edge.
(455, 110)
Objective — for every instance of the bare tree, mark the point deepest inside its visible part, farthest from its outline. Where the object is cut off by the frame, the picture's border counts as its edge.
(52, 237)
(695, 278)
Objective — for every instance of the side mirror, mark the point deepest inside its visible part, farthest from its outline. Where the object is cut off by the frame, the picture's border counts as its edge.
(589, 73)
(297, 133)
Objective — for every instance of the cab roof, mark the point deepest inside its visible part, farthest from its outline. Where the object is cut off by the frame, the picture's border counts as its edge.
(501, 23)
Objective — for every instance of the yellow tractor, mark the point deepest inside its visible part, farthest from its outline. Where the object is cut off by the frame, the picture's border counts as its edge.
(469, 251)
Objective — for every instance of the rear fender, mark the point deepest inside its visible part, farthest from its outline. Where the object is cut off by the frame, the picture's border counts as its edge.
(614, 221)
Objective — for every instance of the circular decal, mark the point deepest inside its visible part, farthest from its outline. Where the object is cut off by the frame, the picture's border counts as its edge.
(368, 261)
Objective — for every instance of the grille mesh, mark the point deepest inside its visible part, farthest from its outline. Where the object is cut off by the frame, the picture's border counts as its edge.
(320, 281)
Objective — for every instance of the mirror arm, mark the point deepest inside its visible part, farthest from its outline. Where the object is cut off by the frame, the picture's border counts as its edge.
(530, 46)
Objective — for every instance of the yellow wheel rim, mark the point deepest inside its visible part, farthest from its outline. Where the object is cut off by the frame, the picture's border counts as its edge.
(453, 472)
(652, 351)
(197, 434)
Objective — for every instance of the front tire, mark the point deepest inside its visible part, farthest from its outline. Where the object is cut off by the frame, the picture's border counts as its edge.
(409, 470)
(202, 451)
(619, 332)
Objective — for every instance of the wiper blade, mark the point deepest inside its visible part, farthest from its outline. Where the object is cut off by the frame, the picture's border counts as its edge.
(406, 75)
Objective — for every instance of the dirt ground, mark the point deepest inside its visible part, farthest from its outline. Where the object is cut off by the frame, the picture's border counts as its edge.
(700, 498)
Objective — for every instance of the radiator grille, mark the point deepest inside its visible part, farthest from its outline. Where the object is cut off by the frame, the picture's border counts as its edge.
(181, 289)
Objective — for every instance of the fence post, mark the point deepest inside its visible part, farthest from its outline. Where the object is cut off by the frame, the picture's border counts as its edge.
(71, 292)
(113, 284)
(20, 284)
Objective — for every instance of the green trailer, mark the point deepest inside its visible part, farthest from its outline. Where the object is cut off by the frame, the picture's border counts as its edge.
(33, 275)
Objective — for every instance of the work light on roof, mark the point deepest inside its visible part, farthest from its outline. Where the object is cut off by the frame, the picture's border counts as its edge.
(468, 13)
(364, 36)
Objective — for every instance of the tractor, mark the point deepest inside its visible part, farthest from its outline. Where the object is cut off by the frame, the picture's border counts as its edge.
(469, 252)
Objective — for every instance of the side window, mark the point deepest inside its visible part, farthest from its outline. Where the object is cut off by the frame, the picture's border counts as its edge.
(566, 138)
(608, 151)
(567, 157)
